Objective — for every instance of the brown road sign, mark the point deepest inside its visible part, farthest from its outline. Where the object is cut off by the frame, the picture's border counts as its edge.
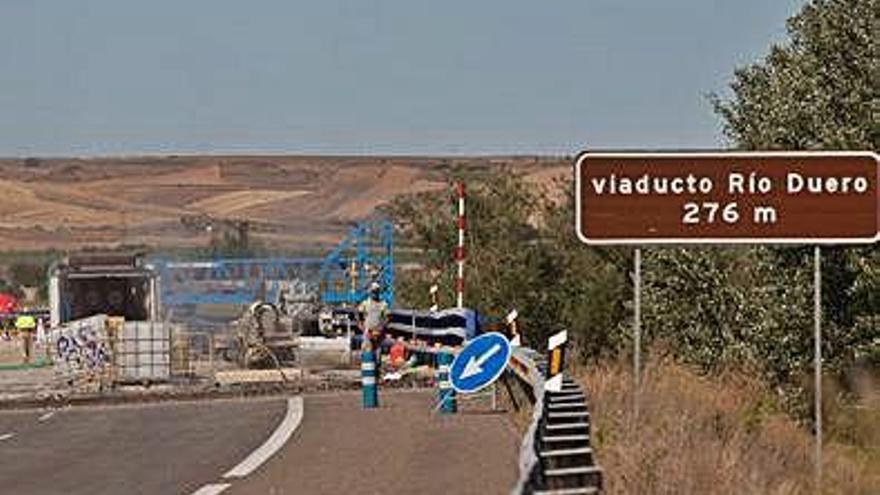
(773, 197)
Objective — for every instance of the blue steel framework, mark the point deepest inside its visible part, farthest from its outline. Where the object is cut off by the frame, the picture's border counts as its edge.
(227, 280)
(343, 276)
(364, 257)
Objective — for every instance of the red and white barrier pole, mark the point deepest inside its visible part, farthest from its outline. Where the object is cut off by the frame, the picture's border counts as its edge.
(459, 252)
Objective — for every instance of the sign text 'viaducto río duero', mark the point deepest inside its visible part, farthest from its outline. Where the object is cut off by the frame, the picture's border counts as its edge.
(772, 197)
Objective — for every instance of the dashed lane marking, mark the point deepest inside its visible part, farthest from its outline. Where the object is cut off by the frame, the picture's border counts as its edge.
(6, 436)
(46, 416)
(212, 489)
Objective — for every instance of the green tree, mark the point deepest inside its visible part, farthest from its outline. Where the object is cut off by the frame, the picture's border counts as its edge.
(501, 257)
(816, 91)
(521, 254)
(723, 307)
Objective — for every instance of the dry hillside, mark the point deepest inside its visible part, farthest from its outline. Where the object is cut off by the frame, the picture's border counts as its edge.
(291, 201)
(721, 434)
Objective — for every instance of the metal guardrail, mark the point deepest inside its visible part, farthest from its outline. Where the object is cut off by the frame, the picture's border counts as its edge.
(556, 457)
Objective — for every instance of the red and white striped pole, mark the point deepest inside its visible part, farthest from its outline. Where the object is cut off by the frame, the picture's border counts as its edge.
(459, 251)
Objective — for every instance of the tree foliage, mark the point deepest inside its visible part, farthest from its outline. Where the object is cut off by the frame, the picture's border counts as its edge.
(816, 91)
(819, 90)
(520, 255)
(722, 307)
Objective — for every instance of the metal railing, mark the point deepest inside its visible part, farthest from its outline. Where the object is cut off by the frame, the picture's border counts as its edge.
(556, 457)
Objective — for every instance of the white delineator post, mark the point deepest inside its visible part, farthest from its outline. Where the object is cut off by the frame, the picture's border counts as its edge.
(555, 361)
(459, 251)
(515, 339)
(434, 305)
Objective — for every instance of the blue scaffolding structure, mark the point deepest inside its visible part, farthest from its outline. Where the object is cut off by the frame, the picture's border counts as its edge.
(342, 277)
(364, 257)
(228, 280)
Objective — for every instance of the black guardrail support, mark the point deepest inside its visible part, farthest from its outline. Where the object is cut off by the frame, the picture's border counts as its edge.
(557, 457)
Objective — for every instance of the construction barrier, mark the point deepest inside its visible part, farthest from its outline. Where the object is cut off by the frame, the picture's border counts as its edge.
(445, 392)
(143, 351)
(82, 352)
(369, 383)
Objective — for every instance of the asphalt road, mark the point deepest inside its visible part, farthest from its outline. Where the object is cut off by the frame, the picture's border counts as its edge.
(180, 448)
(400, 448)
(151, 449)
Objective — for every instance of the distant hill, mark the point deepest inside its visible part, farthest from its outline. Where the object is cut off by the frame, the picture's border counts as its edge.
(295, 202)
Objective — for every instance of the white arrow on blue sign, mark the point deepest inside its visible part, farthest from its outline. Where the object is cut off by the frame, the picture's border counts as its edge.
(480, 363)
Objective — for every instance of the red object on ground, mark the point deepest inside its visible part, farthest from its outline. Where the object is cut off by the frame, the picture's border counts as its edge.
(8, 303)
(397, 353)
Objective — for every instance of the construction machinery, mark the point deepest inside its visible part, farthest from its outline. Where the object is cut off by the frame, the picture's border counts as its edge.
(261, 338)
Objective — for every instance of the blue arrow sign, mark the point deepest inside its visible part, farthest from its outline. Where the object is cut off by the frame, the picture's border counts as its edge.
(480, 363)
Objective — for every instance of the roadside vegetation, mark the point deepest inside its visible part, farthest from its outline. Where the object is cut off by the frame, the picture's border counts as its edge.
(719, 434)
(729, 330)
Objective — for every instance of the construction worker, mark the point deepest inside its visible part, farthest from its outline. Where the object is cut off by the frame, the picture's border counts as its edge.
(41, 332)
(26, 325)
(373, 316)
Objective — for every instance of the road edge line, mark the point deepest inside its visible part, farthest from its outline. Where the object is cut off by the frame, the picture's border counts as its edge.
(277, 440)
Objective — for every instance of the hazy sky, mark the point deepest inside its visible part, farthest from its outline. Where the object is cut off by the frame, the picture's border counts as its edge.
(363, 76)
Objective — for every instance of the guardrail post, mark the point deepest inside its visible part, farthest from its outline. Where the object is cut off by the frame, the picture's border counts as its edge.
(555, 361)
(445, 392)
(368, 380)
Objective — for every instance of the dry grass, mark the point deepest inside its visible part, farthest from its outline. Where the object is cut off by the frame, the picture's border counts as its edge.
(718, 435)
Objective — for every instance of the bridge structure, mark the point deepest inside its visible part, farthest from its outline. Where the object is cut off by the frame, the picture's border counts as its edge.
(341, 277)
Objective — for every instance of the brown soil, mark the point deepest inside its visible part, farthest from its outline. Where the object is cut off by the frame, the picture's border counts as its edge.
(292, 201)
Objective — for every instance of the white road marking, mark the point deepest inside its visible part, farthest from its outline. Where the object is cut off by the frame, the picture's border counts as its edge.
(212, 489)
(6, 436)
(273, 443)
(46, 416)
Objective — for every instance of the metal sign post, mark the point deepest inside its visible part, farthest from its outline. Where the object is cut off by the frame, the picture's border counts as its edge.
(817, 316)
(637, 330)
